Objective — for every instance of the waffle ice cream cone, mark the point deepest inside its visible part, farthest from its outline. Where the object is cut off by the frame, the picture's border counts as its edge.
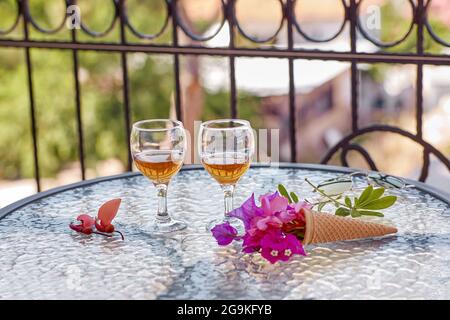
(325, 227)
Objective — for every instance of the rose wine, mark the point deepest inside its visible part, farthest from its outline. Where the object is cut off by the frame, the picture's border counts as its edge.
(226, 168)
(159, 165)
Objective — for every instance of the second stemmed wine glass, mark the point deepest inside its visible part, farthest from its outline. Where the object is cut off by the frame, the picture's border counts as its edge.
(158, 147)
(226, 148)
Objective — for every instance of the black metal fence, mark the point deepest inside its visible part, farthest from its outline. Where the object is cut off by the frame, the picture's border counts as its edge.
(419, 58)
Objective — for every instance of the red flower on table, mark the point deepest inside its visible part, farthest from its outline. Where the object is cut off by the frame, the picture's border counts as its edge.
(106, 213)
(86, 225)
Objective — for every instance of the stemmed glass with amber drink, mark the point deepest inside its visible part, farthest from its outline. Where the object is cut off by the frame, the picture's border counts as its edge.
(226, 148)
(158, 148)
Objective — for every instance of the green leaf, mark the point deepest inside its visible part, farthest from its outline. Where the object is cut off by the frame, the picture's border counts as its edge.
(321, 205)
(294, 197)
(355, 213)
(348, 202)
(365, 194)
(342, 212)
(370, 213)
(300, 234)
(284, 192)
(376, 194)
(381, 203)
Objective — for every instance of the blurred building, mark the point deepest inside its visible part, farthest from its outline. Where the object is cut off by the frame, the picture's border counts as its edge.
(322, 87)
(441, 10)
(322, 91)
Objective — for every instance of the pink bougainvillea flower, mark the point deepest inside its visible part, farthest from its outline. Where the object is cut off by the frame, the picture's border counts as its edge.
(279, 247)
(251, 214)
(106, 214)
(275, 228)
(252, 241)
(269, 196)
(224, 233)
(86, 224)
(271, 203)
(252, 238)
(302, 205)
(247, 212)
(269, 221)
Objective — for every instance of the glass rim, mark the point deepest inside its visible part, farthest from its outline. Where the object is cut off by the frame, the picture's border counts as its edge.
(176, 124)
(243, 124)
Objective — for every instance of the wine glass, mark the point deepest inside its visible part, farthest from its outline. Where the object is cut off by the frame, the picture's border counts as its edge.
(226, 148)
(158, 147)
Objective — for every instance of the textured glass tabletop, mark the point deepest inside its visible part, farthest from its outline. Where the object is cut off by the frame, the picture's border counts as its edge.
(41, 258)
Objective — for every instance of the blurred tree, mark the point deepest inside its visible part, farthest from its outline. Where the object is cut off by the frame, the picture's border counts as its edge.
(151, 90)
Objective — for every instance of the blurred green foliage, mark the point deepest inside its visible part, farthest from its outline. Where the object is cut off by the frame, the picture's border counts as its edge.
(151, 90)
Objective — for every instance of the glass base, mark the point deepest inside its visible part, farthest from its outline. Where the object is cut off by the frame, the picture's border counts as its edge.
(234, 222)
(157, 228)
(211, 224)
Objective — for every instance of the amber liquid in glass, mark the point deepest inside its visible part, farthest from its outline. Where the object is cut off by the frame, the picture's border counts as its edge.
(226, 168)
(158, 165)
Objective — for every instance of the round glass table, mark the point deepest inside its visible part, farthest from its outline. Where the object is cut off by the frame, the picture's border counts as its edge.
(41, 258)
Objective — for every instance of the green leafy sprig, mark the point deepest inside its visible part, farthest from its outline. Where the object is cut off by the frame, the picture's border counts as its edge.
(366, 204)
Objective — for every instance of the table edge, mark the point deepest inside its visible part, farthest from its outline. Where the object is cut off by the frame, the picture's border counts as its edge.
(439, 194)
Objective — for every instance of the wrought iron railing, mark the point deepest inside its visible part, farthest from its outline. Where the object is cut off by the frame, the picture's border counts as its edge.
(419, 58)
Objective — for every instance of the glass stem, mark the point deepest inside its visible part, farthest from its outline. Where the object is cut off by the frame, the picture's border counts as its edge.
(163, 215)
(228, 191)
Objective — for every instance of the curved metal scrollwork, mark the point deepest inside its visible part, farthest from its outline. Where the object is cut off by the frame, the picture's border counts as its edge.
(196, 37)
(15, 23)
(99, 34)
(142, 35)
(290, 26)
(330, 38)
(268, 38)
(381, 43)
(36, 25)
(229, 14)
(345, 145)
(363, 152)
(430, 28)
